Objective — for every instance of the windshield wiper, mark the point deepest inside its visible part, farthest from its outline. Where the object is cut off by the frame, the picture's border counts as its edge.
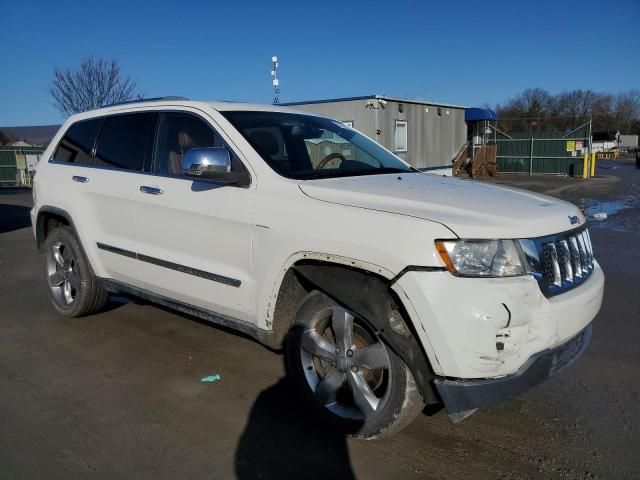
(382, 171)
(352, 173)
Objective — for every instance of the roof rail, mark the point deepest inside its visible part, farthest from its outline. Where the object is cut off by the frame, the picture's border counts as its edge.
(155, 99)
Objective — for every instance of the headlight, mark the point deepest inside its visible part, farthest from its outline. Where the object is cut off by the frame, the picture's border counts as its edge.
(482, 258)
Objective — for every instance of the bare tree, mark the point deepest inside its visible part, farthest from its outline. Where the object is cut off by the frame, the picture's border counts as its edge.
(536, 109)
(526, 110)
(627, 110)
(96, 83)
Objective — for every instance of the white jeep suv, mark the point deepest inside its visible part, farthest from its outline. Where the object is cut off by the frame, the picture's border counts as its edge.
(387, 288)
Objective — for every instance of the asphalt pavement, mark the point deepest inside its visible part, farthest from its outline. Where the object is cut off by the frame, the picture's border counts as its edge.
(119, 394)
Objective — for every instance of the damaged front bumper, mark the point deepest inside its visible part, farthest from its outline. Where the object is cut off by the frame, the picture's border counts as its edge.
(462, 396)
(489, 328)
(487, 340)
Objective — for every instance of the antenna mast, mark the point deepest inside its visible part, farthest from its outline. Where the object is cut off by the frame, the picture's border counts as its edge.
(276, 80)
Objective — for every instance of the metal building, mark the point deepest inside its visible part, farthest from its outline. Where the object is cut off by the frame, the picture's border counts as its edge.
(628, 142)
(428, 135)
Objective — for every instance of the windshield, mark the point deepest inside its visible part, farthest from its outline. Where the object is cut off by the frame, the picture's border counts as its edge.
(306, 147)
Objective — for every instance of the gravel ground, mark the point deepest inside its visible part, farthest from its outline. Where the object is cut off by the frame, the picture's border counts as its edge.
(118, 395)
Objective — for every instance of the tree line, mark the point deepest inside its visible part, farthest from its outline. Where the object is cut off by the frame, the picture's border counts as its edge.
(537, 109)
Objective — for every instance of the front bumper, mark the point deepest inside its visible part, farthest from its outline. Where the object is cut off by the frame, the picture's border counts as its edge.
(461, 396)
(489, 328)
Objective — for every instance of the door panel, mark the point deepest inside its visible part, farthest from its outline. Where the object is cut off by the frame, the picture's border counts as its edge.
(195, 243)
(110, 222)
(101, 211)
(194, 236)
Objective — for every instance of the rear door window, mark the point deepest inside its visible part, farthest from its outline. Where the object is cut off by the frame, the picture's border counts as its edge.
(77, 144)
(126, 141)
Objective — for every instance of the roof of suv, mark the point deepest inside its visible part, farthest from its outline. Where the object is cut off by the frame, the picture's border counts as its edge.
(216, 105)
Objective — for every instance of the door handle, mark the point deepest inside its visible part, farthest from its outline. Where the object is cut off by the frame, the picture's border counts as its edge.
(151, 190)
(78, 178)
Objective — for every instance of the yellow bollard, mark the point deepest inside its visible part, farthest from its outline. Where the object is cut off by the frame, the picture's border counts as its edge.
(585, 166)
(593, 165)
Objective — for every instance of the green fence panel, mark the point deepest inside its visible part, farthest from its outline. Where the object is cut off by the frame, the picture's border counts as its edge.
(8, 169)
(541, 152)
(9, 174)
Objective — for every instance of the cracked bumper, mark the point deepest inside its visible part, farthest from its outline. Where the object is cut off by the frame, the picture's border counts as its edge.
(463, 395)
(490, 328)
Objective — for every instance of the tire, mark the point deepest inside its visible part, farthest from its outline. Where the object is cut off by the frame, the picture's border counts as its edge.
(73, 288)
(327, 364)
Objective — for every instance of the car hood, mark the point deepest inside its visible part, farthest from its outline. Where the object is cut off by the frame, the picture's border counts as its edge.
(471, 209)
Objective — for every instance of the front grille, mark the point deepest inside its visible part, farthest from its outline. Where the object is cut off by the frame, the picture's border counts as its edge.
(559, 262)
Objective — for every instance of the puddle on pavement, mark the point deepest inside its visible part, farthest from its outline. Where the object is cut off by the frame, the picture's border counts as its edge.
(610, 207)
(591, 207)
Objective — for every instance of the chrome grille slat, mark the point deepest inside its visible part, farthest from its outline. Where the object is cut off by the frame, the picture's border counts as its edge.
(584, 256)
(550, 265)
(564, 259)
(587, 240)
(559, 262)
(576, 258)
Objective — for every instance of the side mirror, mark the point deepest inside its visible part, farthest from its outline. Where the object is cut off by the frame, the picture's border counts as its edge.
(212, 163)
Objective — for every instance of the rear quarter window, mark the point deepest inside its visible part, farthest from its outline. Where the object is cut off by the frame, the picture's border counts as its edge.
(77, 143)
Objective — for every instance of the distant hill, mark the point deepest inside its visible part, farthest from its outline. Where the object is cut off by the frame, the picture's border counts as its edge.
(35, 135)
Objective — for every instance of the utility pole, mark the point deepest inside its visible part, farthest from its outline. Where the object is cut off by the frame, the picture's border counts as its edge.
(591, 155)
(275, 80)
(590, 133)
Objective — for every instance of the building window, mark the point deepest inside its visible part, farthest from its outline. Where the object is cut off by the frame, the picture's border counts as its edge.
(401, 136)
(348, 123)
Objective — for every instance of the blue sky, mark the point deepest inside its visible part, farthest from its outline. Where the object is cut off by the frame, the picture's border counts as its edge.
(461, 52)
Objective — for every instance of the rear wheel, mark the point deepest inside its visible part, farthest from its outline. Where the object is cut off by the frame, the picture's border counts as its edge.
(347, 373)
(73, 288)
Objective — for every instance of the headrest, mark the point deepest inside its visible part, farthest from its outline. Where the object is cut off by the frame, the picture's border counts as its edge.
(265, 142)
(185, 141)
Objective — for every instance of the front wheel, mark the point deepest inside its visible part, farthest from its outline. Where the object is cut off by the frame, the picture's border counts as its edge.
(347, 373)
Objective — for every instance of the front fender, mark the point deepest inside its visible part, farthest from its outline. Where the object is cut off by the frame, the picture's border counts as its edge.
(370, 297)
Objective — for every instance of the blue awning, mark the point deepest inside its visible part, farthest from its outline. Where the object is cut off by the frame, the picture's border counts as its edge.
(478, 114)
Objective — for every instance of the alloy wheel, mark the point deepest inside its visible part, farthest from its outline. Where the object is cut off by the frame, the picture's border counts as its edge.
(345, 364)
(62, 274)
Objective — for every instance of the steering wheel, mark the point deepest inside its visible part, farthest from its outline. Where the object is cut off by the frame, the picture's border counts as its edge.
(330, 157)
